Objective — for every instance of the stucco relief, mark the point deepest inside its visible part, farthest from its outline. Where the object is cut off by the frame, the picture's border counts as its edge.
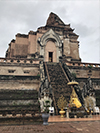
(51, 37)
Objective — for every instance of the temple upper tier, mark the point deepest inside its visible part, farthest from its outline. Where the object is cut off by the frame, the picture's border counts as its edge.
(53, 41)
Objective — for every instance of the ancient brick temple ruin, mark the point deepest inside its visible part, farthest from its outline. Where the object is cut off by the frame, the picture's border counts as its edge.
(50, 42)
(46, 60)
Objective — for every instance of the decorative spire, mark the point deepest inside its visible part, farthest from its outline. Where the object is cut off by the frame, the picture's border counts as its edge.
(54, 20)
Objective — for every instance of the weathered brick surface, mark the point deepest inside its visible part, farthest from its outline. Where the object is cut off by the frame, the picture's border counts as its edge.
(70, 127)
(58, 81)
(26, 45)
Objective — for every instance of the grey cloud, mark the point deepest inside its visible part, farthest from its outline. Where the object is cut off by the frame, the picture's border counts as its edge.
(23, 16)
(83, 30)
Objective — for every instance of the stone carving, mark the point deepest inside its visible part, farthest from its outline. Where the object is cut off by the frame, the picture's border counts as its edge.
(53, 37)
(88, 89)
(89, 95)
(45, 87)
(42, 102)
(48, 36)
(90, 103)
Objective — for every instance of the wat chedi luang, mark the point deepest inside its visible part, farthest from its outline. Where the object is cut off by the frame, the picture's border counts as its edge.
(47, 62)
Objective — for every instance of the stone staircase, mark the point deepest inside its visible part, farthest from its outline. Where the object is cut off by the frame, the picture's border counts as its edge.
(77, 88)
(58, 80)
(97, 94)
(18, 104)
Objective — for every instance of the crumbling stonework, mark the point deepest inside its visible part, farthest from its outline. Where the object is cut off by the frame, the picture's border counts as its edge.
(30, 45)
(53, 42)
(19, 74)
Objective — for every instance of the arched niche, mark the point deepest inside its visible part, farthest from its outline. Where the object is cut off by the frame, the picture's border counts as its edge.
(50, 46)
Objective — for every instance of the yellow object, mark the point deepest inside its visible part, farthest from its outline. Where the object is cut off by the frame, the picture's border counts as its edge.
(74, 101)
(72, 83)
(77, 102)
(62, 112)
(88, 111)
(61, 103)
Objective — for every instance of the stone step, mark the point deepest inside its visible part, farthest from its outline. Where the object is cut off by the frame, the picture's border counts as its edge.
(58, 81)
(17, 100)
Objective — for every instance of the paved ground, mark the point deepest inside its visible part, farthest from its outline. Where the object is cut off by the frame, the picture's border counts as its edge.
(64, 127)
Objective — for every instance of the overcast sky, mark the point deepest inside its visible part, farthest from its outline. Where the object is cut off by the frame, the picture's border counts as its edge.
(21, 16)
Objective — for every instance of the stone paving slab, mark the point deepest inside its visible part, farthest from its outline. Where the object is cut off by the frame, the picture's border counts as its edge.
(65, 127)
